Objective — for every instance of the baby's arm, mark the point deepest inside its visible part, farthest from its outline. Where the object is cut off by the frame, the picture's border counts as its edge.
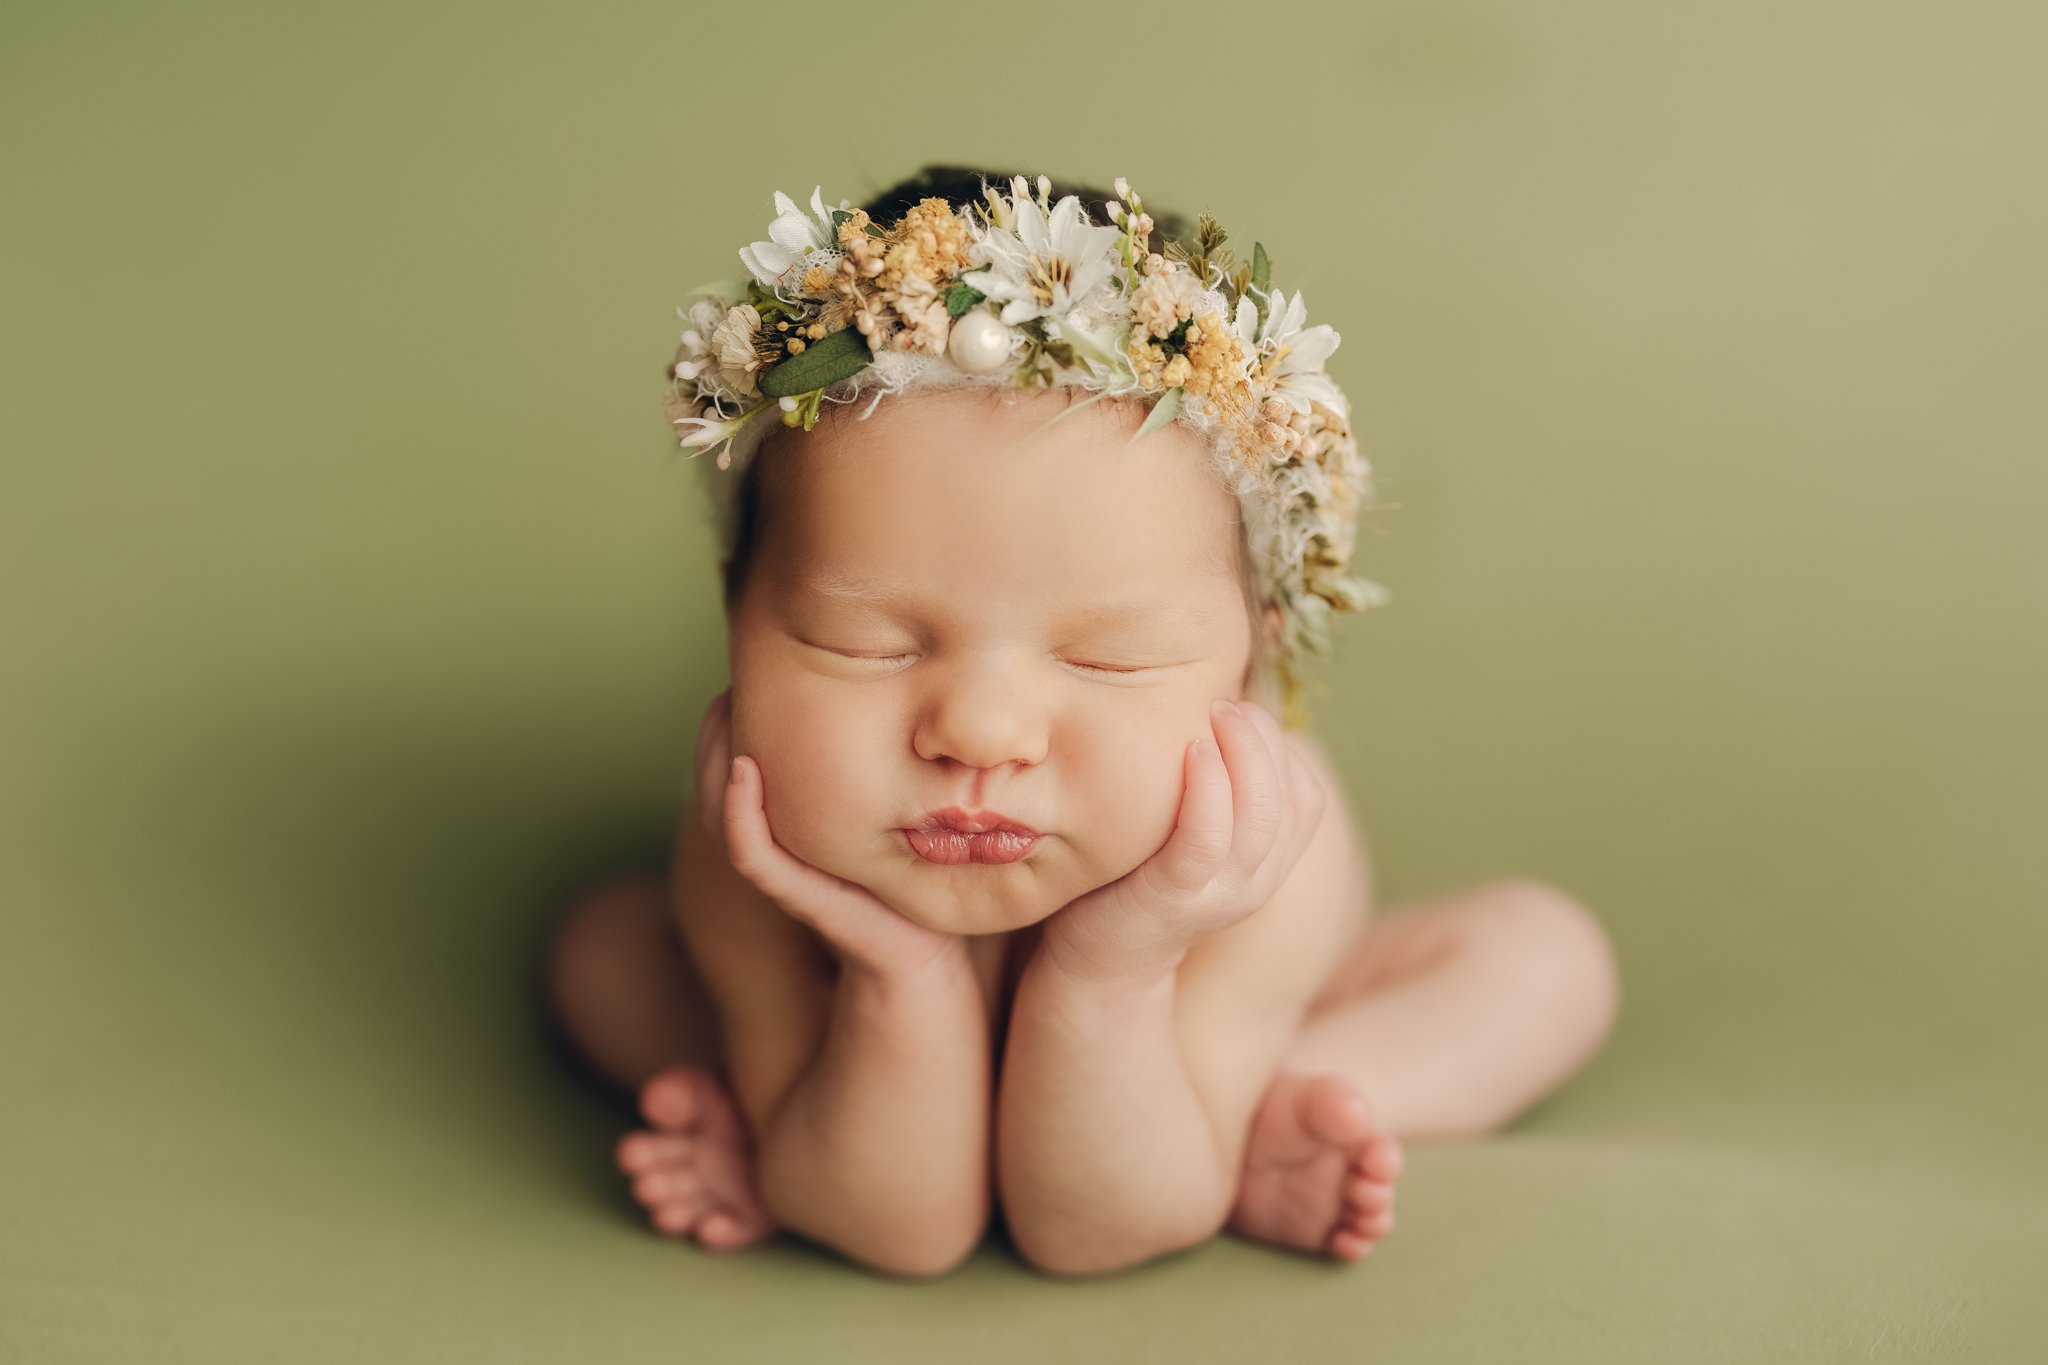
(872, 1128)
(1150, 1022)
(868, 1096)
(880, 1148)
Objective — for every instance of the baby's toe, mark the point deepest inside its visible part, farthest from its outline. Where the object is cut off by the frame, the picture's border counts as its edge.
(644, 1151)
(1346, 1245)
(669, 1186)
(1372, 1225)
(1363, 1193)
(1381, 1158)
(723, 1230)
(674, 1099)
(1336, 1113)
(675, 1219)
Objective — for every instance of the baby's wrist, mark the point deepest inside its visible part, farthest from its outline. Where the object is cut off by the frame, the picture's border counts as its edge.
(1077, 958)
(933, 966)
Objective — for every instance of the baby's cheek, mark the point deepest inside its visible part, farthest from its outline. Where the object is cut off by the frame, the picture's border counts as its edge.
(1131, 804)
(824, 791)
(830, 801)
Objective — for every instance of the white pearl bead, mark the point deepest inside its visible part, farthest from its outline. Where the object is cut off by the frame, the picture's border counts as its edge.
(979, 342)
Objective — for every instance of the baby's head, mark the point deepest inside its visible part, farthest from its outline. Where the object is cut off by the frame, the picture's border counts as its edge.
(941, 598)
(947, 604)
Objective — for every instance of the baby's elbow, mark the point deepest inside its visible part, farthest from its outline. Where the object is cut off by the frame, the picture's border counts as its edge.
(920, 1261)
(916, 1254)
(1081, 1257)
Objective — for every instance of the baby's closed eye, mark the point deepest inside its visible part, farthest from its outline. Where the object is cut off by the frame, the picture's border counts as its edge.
(1096, 664)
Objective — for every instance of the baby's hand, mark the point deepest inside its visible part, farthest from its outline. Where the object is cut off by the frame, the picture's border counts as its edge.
(862, 931)
(1245, 817)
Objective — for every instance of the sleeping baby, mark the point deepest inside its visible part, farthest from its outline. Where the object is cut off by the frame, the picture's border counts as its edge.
(1015, 884)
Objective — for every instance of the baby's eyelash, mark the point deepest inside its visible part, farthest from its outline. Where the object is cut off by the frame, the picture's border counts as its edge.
(895, 658)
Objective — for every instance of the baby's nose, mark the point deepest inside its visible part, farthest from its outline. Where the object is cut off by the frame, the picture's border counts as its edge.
(984, 727)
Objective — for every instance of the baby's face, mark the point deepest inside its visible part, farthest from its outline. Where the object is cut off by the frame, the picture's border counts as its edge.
(943, 614)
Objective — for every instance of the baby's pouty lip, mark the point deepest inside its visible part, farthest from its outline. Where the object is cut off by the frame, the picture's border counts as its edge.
(950, 847)
(974, 822)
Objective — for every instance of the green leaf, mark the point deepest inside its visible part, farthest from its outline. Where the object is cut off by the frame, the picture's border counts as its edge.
(1164, 411)
(845, 352)
(962, 297)
(1262, 277)
(839, 216)
(1091, 349)
(1071, 409)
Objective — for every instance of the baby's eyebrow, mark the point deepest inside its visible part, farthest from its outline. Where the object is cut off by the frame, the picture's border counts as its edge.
(846, 587)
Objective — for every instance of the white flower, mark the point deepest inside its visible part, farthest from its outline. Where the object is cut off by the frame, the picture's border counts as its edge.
(792, 238)
(694, 356)
(732, 347)
(1042, 267)
(1287, 359)
(712, 432)
(717, 351)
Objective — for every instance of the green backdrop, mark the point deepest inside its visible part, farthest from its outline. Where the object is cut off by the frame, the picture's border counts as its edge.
(356, 607)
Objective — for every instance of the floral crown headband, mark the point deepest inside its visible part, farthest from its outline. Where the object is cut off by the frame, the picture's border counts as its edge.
(1017, 291)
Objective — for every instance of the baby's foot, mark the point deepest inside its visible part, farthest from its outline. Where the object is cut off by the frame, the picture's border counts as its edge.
(694, 1171)
(1318, 1172)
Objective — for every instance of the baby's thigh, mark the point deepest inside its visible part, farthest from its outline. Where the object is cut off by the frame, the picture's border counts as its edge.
(1525, 921)
(623, 985)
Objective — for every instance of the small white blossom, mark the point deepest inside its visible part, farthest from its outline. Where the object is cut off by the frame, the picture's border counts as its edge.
(694, 356)
(1289, 356)
(1164, 298)
(792, 239)
(1040, 266)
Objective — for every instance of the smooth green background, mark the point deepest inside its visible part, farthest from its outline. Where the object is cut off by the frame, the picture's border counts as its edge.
(356, 607)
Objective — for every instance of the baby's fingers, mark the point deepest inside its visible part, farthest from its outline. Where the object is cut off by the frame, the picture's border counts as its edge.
(1258, 780)
(1201, 836)
(817, 898)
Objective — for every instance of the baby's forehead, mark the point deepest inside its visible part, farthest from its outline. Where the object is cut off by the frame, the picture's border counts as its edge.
(1078, 505)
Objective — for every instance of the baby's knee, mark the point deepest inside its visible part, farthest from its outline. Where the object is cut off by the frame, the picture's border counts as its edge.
(615, 922)
(1554, 929)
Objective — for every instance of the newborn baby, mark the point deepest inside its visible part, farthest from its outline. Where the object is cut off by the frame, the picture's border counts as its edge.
(1005, 887)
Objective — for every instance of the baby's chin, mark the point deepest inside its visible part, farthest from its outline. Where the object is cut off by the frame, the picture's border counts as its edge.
(971, 898)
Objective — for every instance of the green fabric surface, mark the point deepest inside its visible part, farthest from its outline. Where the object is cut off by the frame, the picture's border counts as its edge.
(356, 608)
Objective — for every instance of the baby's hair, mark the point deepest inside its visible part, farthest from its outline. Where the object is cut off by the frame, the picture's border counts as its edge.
(961, 186)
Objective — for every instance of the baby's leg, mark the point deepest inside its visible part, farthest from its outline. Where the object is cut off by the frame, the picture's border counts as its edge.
(1455, 1014)
(622, 987)
(1447, 1019)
